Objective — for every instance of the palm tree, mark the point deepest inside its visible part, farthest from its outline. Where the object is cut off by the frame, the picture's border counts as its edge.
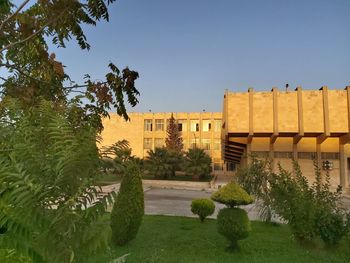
(159, 163)
(115, 156)
(197, 163)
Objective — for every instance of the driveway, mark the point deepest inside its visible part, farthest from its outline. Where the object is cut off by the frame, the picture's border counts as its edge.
(178, 202)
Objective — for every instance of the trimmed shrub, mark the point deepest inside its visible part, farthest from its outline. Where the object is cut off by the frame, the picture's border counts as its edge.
(232, 195)
(202, 208)
(234, 224)
(128, 209)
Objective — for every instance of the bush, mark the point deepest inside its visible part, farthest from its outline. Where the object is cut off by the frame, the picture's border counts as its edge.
(234, 224)
(254, 178)
(310, 211)
(232, 195)
(202, 208)
(331, 227)
(128, 209)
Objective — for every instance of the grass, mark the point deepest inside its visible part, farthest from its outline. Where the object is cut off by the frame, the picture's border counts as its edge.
(177, 239)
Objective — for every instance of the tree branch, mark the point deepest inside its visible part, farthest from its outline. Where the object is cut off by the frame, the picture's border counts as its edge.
(14, 14)
(34, 34)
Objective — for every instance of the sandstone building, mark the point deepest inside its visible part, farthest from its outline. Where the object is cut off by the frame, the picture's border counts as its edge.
(146, 131)
(304, 125)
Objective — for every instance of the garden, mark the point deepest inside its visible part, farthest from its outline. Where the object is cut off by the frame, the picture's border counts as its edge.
(51, 206)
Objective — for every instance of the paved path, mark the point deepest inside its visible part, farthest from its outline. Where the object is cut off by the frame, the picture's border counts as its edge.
(178, 202)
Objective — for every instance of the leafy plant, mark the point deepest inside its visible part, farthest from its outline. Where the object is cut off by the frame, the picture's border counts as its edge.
(128, 209)
(159, 163)
(202, 208)
(197, 163)
(232, 195)
(32, 73)
(49, 205)
(115, 156)
(254, 178)
(310, 210)
(234, 224)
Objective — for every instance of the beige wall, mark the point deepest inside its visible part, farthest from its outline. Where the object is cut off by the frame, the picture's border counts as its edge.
(116, 128)
(300, 124)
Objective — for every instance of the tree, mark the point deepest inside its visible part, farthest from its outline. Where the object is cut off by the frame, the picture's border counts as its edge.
(49, 205)
(197, 163)
(116, 156)
(174, 140)
(159, 163)
(33, 73)
(128, 209)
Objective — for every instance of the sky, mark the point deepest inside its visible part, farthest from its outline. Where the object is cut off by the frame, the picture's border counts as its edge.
(188, 52)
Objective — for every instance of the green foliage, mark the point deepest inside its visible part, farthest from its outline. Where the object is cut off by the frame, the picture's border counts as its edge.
(115, 156)
(49, 205)
(197, 163)
(159, 163)
(310, 210)
(128, 209)
(174, 140)
(32, 73)
(234, 224)
(254, 178)
(202, 208)
(232, 195)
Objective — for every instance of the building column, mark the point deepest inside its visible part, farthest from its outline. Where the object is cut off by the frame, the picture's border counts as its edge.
(318, 155)
(295, 151)
(272, 156)
(344, 178)
(249, 152)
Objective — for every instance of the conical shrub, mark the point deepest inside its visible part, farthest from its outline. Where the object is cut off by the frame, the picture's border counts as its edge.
(127, 212)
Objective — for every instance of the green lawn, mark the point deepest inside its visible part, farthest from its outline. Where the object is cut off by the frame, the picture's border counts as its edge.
(166, 239)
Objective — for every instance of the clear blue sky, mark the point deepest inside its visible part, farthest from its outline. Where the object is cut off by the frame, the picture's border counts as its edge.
(188, 52)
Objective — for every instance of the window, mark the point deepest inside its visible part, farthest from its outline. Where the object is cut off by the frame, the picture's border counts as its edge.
(159, 125)
(206, 144)
(288, 155)
(148, 125)
(262, 154)
(206, 125)
(182, 125)
(194, 125)
(217, 144)
(330, 156)
(306, 155)
(158, 142)
(217, 127)
(147, 143)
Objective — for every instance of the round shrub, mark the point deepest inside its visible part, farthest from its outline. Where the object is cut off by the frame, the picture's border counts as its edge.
(234, 224)
(202, 208)
(232, 195)
(128, 208)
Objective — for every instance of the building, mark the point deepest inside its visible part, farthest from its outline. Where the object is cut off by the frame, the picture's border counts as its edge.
(305, 125)
(146, 131)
